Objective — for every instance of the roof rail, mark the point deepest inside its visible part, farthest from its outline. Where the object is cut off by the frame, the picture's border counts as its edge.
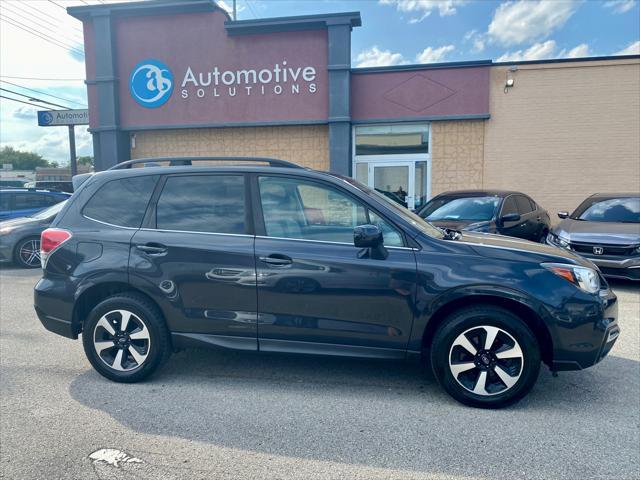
(179, 161)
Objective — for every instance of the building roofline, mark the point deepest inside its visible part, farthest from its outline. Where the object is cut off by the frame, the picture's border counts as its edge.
(148, 7)
(293, 23)
(570, 60)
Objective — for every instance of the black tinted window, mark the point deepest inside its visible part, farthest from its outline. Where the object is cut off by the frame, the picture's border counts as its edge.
(509, 206)
(203, 203)
(524, 205)
(121, 202)
(25, 201)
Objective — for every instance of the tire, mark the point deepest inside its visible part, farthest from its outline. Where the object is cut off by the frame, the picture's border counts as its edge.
(26, 253)
(145, 342)
(509, 367)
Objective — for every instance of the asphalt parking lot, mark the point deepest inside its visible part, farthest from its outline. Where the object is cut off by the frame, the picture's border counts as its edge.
(218, 414)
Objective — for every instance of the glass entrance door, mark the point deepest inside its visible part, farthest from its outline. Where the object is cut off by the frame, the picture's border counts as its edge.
(394, 182)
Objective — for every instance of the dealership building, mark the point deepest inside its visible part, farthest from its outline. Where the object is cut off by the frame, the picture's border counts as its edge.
(181, 78)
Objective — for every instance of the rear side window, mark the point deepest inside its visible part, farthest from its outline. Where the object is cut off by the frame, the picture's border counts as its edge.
(203, 203)
(26, 201)
(524, 205)
(121, 202)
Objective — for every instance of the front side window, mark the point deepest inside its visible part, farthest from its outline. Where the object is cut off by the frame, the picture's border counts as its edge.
(476, 209)
(203, 203)
(524, 205)
(510, 206)
(310, 211)
(121, 202)
(624, 210)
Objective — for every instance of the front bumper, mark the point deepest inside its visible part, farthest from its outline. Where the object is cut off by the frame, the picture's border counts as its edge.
(585, 331)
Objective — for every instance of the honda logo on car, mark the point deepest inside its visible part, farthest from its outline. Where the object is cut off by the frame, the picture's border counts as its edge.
(151, 82)
(598, 250)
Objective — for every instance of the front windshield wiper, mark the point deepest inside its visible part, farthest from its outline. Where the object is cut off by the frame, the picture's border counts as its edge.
(451, 234)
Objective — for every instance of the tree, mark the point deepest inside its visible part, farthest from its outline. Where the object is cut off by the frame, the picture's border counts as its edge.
(23, 160)
(85, 160)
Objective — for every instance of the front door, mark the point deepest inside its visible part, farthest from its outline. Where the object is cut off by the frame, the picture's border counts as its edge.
(197, 256)
(314, 292)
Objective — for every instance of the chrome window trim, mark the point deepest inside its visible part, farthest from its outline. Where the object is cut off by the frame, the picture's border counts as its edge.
(194, 231)
(328, 242)
(109, 224)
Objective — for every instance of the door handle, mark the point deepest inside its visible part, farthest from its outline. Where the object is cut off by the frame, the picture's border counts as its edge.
(277, 260)
(152, 248)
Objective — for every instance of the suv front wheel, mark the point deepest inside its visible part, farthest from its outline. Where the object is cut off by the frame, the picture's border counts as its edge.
(125, 338)
(485, 356)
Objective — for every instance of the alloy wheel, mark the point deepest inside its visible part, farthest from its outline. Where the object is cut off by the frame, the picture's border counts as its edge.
(486, 360)
(29, 252)
(122, 341)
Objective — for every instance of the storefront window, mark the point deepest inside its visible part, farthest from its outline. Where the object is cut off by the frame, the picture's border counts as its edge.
(392, 139)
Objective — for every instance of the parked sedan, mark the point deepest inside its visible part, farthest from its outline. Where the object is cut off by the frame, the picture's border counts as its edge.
(20, 237)
(605, 228)
(489, 211)
(23, 202)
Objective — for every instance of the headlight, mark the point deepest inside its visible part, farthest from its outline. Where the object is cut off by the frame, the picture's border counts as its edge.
(585, 278)
(558, 240)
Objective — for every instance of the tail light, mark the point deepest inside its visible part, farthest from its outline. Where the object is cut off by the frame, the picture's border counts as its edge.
(50, 240)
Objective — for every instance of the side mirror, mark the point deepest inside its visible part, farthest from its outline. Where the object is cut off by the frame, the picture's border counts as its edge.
(563, 214)
(369, 238)
(510, 217)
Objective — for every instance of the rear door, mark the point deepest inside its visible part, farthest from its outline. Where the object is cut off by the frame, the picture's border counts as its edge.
(195, 252)
(528, 217)
(316, 292)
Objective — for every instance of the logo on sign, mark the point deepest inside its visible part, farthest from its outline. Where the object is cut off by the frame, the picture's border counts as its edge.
(45, 118)
(151, 83)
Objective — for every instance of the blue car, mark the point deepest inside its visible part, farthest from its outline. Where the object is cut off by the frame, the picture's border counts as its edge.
(24, 202)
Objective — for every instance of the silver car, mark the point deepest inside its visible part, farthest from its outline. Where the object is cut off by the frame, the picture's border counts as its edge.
(605, 228)
(20, 237)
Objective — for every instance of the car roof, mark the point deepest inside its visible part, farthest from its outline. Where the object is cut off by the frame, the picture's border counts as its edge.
(615, 195)
(478, 193)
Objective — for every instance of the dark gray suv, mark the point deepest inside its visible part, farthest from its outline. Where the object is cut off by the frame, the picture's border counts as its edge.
(280, 258)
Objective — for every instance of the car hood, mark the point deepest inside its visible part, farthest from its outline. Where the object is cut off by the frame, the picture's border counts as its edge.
(500, 246)
(453, 224)
(598, 232)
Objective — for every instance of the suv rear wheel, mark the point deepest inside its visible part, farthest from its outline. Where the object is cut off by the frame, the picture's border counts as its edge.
(485, 357)
(125, 338)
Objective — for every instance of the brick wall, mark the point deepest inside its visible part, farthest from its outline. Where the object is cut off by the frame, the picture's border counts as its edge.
(565, 131)
(306, 145)
(457, 153)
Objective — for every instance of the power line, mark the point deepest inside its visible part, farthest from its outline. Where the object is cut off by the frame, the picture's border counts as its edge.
(33, 9)
(45, 79)
(40, 25)
(58, 5)
(44, 93)
(33, 99)
(251, 8)
(70, 46)
(43, 36)
(20, 101)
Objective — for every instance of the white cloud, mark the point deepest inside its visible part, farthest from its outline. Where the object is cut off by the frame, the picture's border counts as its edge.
(620, 6)
(424, 7)
(581, 50)
(478, 40)
(374, 57)
(515, 23)
(433, 55)
(537, 51)
(632, 49)
(545, 50)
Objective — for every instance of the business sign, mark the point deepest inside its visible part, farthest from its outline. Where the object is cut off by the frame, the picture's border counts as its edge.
(151, 83)
(53, 118)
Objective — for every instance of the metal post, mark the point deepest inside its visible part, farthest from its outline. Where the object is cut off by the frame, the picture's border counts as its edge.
(234, 11)
(73, 165)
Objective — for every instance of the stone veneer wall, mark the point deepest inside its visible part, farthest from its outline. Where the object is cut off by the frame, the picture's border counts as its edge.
(306, 145)
(457, 152)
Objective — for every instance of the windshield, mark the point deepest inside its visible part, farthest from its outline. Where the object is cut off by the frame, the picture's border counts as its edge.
(623, 210)
(407, 215)
(49, 212)
(474, 209)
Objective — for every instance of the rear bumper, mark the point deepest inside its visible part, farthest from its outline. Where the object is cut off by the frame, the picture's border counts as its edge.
(53, 300)
(585, 333)
(56, 325)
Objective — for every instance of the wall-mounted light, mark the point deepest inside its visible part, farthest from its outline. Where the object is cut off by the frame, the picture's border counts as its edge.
(510, 81)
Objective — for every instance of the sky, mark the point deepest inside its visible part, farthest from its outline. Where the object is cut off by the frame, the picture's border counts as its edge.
(41, 52)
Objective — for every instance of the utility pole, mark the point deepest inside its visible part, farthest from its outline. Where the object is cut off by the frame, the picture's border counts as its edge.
(234, 11)
(73, 163)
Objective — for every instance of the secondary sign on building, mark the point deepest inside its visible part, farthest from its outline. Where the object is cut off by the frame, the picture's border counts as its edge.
(52, 118)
